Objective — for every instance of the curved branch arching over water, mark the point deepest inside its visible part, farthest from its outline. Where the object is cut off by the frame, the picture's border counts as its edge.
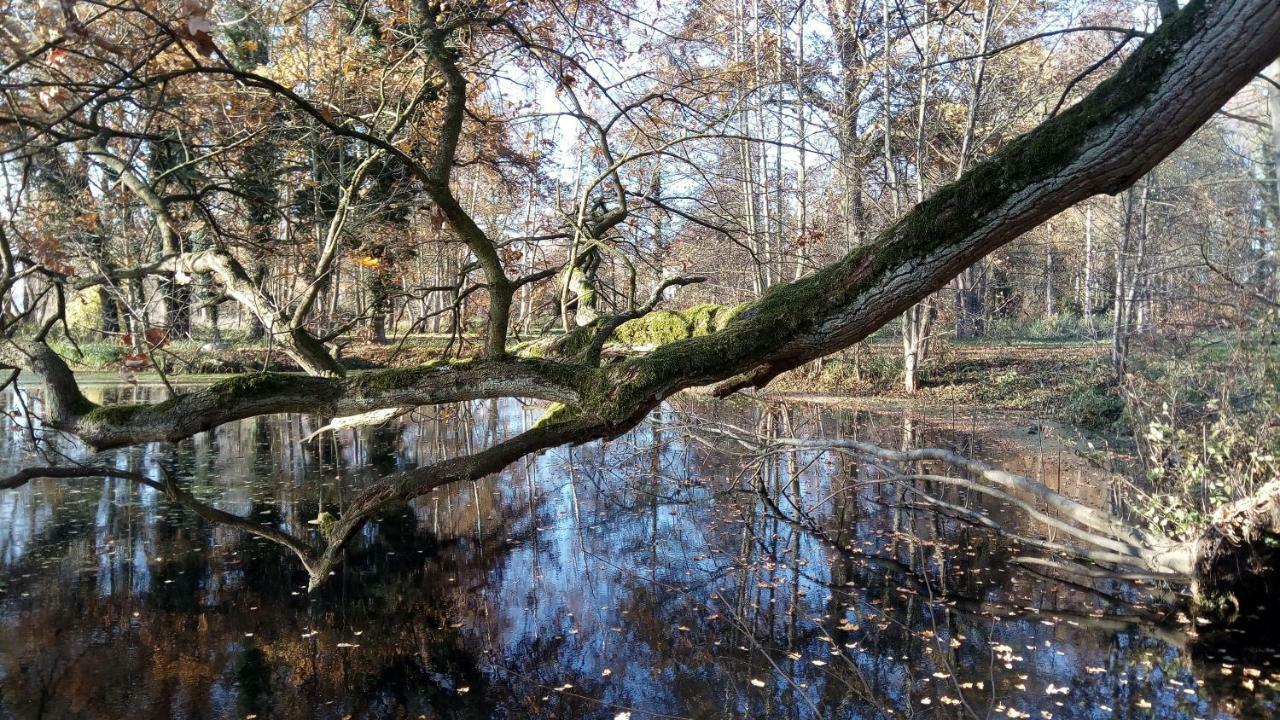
(1170, 86)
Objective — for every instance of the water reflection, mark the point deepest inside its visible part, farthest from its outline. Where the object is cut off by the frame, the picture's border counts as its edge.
(656, 575)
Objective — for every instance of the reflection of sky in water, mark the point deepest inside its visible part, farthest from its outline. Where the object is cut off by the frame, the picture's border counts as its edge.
(643, 575)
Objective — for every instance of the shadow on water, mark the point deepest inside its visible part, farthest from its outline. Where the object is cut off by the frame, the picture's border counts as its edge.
(657, 575)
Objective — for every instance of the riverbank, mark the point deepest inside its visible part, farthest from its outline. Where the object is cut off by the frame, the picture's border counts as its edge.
(1068, 380)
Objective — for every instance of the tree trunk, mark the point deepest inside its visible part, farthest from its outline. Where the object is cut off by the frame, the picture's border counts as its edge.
(379, 305)
(1048, 282)
(1120, 318)
(257, 330)
(109, 320)
(212, 316)
(970, 299)
(1170, 86)
(1270, 183)
(917, 326)
(1086, 304)
(177, 308)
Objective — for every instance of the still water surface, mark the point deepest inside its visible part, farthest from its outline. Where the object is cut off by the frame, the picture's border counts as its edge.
(642, 578)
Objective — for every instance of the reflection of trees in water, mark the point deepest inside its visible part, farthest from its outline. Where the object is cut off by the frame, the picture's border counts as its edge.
(653, 556)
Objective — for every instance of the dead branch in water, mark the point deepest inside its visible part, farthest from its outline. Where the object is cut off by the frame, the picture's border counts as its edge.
(1227, 570)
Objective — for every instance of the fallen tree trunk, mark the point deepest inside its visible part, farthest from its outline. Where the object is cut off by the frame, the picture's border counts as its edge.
(294, 339)
(1170, 86)
(1237, 558)
(298, 343)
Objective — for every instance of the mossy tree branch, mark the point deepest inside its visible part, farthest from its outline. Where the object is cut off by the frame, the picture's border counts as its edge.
(250, 395)
(1172, 84)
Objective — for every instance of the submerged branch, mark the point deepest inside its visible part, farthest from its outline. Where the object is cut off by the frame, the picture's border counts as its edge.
(1109, 538)
(1105, 525)
(173, 491)
(76, 472)
(1228, 570)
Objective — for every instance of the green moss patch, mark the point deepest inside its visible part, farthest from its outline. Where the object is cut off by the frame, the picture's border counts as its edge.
(555, 413)
(665, 326)
(113, 414)
(253, 383)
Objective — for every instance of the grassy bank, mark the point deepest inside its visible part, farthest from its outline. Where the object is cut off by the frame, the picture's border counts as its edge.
(1069, 379)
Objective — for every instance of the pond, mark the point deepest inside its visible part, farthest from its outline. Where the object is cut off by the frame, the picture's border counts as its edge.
(664, 574)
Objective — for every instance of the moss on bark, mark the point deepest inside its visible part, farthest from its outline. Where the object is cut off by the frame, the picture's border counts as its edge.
(252, 383)
(107, 415)
(554, 414)
(666, 326)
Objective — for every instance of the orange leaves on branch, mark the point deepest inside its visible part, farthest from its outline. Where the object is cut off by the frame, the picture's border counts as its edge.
(198, 27)
(810, 236)
(154, 337)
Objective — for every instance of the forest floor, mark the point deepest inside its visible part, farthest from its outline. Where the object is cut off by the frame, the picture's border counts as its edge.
(1015, 375)
(1066, 379)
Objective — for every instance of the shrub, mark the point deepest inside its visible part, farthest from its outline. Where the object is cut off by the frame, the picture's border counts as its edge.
(84, 313)
(1062, 326)
(1207, 426)
(100, 355)
(1095, 406)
